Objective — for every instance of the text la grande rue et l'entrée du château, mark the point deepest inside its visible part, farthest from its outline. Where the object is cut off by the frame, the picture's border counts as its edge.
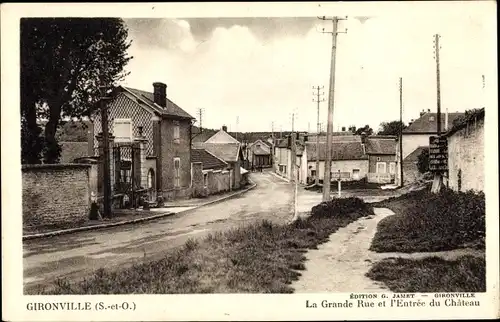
(399, 300)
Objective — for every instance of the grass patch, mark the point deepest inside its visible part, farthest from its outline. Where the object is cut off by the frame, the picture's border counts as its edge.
(424, 221)
(259, 258)
(465, 274)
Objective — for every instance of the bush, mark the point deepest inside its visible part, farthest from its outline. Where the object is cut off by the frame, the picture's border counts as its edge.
(338, 207)
(432, 222)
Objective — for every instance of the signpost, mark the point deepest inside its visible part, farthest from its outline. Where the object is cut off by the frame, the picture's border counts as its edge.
(339, 176)
(438, 154)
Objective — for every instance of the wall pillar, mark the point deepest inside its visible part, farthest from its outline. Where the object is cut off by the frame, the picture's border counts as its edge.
(197, 183)
(112, 166)
(140, 161)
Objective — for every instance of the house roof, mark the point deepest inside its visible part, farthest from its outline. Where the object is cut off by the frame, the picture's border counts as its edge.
(221, 137)
(376, 145)
(340, 151)
(336, 137)
(413, 157)
(260, 147)
(172, 109)
(427, 123)
(208, 160)
(229, 152)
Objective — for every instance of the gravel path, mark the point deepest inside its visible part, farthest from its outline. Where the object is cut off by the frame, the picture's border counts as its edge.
(340, 264)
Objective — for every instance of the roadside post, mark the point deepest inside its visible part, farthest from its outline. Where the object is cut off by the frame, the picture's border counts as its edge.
(339, 182)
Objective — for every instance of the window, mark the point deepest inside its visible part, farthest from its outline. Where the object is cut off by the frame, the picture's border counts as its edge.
(313, 173)
(381, 167)
(355, 174)
(177, 172)
(205, 179)
(151, 178)
(122, 130)
(177, 134)
(378, 158)
(392, 167)
(431, 118)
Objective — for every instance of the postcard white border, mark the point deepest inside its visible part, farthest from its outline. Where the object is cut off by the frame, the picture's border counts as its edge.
(218, 307)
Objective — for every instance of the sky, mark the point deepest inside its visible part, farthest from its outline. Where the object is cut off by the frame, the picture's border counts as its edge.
(251, 74)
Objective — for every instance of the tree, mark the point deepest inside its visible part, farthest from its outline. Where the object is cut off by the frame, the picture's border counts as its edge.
(391, 128)
(366, 129)
(423, 161)
(63, 63)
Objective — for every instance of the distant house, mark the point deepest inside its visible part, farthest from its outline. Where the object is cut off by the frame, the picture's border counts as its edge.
(165, 132)
(225, 147)
(466, 153)
(347, 156)
(410, 167)
(417, 134)
(381, 151)
(260, 154)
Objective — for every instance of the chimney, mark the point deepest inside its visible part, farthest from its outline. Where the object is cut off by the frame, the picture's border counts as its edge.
(428, 110)
(343, 128)
(224, 128)
(160, 94)
(422, 113)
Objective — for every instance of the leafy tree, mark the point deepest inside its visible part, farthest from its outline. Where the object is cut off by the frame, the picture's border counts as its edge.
(63, 63)
(391, 128)
(365, 129)
(423, 161)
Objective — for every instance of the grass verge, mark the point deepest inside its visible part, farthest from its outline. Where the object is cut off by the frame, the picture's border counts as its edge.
(432, 274)
(426, 222)
(258, 258)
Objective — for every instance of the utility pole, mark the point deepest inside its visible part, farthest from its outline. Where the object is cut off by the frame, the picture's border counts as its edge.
(200, 115)
(294, 157)
(318, 100)
(438, 176)
(331, 101)
(237, 122)
(401, 131)
(105, 153)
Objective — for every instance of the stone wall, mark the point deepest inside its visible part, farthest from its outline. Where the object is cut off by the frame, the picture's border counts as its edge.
(466, 158)
(56, 194)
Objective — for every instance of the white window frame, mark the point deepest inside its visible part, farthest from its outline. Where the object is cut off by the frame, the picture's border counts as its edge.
(123, 121)
(381, 163)
(177, 172)
(176, 132)
(358, 172)
(392, 167)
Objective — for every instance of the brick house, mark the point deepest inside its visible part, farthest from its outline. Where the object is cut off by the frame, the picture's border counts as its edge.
(226, 148)
(381, 151)
(165, 132)
(417, 135)
(466, 153)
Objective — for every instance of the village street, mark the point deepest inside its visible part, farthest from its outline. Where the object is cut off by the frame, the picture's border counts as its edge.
(79, 254)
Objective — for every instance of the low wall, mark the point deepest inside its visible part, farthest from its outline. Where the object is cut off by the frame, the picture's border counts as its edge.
(56, 194)
(380, 177)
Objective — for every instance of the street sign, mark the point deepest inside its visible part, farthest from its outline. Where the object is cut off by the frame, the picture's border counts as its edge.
(438, 153)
